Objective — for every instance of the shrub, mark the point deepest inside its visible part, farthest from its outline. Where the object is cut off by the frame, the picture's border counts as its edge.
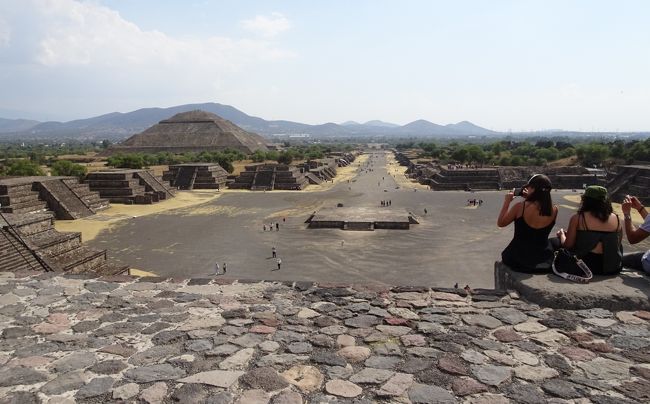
(68, 168)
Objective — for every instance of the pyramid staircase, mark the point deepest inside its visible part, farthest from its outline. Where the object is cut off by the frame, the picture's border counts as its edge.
(630, 180)
(155, 185)
(29, 241)
(64, 196)
(185, 178)
(207, 175)
(129, 186)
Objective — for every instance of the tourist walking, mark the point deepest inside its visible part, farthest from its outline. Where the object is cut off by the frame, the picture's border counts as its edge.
(274, 252)
(279, 263)
(277, 226)
(264, 227)
(216, 268)
(224, 268)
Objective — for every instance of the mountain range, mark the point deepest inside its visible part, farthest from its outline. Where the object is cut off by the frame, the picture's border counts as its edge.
(117, 125)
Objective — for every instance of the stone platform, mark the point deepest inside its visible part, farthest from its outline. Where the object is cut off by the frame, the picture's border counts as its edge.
(68, 339)
(362, 218)
(628, 291)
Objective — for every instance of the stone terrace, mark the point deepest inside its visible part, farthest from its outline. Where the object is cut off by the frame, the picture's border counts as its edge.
(92, 340)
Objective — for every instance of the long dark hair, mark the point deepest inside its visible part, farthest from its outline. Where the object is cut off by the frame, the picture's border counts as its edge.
(543, 198)
(599, 208)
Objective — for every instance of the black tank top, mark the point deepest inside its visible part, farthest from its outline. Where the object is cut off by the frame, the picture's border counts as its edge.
(530, 249)
(611, 260)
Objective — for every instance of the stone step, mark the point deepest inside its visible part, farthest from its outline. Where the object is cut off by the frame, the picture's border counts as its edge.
(33, 206)
(14, 256)
(20, 198)
(82, 259)
(53, 243)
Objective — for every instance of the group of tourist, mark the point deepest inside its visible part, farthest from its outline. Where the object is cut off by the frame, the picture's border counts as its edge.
(270, 226)
(386, 203)
(594, 234)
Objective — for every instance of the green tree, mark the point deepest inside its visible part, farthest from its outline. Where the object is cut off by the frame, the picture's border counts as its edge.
(285, 158)
(135, 161)
(592, 154)
(24, 168)
(272, 155)
(259, 156)
(68, 168)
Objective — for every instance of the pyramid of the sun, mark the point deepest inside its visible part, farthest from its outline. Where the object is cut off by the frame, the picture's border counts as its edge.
(193, 131)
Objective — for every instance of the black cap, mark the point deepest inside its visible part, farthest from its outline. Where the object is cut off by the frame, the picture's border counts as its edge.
(540, 182)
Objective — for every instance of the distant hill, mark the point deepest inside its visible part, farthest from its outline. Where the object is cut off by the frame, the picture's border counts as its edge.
(16, 125)
(117, 125)
(381, 123)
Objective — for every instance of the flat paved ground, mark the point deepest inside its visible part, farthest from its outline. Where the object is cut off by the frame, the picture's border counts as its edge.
(454, 243)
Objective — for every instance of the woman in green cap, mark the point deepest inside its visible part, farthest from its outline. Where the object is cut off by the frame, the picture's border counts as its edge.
(595, 233)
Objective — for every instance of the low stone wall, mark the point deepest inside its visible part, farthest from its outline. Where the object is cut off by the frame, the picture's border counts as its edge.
(628, 291)
(123, 339)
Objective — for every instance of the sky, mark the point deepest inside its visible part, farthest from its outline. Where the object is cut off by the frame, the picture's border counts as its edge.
(503, 65)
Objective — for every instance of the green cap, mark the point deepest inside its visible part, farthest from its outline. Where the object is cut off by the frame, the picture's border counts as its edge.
(596, 192)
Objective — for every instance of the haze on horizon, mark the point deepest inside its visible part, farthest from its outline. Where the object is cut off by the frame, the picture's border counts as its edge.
(503, 64)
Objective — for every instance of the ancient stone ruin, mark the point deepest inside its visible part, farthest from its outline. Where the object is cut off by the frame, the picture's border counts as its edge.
(320, 170)
(129, 186)
(29, 241)
(193, 131)
(196, 176)
(630, 180)
(367, 219)
(447, 178)
(481, 178)
(64, 196)
(266, 177)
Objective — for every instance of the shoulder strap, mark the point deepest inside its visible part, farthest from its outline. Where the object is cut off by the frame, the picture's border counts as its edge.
(584, 221)
(587, 274)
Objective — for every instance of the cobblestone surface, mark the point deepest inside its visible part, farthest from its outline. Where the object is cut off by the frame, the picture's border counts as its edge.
(74, 339)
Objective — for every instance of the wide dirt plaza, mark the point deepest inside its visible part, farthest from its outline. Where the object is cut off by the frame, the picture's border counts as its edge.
(453, 242)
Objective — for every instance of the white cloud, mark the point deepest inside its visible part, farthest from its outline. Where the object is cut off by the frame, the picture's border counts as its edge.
(80, 57)
(87, 33)
(267, 26)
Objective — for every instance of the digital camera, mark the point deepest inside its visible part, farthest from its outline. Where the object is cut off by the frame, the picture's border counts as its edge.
(518, 191)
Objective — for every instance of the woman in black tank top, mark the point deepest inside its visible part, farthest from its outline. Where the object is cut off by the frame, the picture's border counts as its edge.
(599, 245)
(530, 250)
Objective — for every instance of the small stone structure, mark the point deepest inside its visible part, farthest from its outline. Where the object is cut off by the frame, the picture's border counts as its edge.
(343, 159)
(323, 169)
(64, 196)
(630, 180)
(129, 186)
(270, 176)
(30, 242)
(367, 219)
(196, 176)
(479, 178)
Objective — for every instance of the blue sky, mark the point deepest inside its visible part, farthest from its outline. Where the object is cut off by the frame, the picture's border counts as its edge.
(504, 65)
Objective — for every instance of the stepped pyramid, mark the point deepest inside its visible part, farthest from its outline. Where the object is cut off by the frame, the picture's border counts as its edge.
(192, 131)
